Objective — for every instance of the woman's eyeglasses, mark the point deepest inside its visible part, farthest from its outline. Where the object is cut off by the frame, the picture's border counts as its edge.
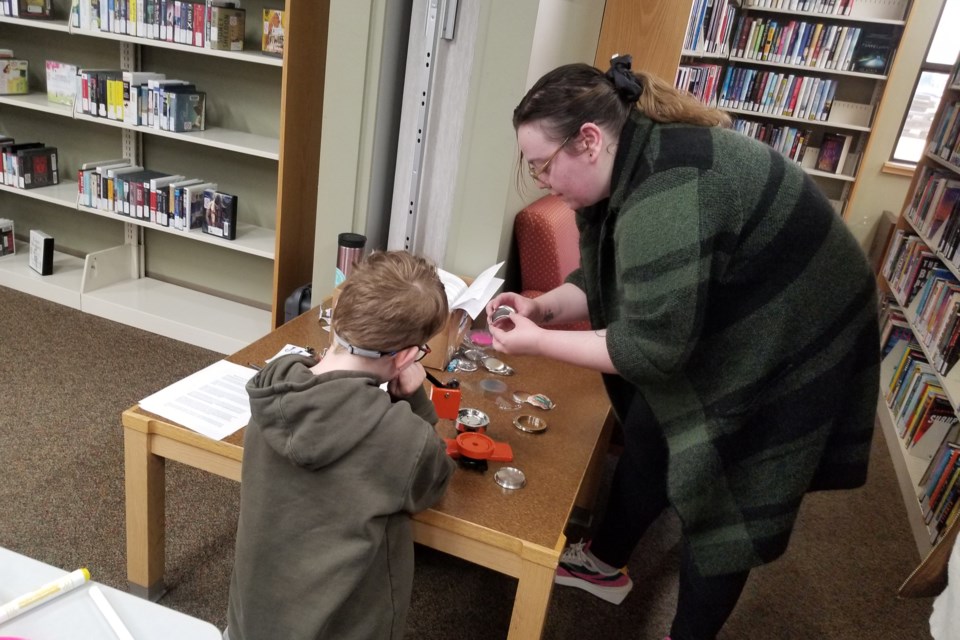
(535, 173)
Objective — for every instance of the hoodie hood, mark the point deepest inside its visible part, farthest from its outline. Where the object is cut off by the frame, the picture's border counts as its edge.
(284, 407)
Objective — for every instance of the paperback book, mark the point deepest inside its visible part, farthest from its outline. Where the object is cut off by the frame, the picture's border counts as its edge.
(61, 82)
(833, 152)
(41, 252)
(274, 27)
(220, 214)
(873, 52)
(7, 244)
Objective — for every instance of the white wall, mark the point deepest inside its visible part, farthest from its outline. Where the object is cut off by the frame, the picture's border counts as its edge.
(516, 43)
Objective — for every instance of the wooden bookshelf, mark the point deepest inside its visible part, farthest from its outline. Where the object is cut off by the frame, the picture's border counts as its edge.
(655, 34)
(915, 221)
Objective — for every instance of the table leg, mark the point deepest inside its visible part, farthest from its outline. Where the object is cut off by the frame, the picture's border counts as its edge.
(531, 602)
(145, 494)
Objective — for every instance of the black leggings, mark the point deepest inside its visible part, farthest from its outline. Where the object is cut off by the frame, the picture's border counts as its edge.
(638, 495)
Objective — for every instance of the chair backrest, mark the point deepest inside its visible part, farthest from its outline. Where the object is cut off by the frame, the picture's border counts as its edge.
(547, 243)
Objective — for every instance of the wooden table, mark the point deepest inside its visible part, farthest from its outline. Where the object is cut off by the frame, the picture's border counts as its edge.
(519, 533)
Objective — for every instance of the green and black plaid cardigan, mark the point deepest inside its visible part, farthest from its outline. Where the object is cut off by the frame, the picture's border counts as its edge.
(739, 304)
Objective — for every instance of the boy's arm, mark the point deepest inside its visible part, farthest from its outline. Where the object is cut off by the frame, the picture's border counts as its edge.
(421, 405)
(430, 475)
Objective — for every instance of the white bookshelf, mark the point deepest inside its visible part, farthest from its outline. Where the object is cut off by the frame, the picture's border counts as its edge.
(114, 282)
(62, 286)
(909, 470)
(179, 313)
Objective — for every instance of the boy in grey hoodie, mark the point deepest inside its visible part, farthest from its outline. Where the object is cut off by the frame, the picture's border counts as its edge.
(333, 465)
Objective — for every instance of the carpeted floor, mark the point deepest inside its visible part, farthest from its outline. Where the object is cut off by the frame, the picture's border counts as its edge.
(66, 377)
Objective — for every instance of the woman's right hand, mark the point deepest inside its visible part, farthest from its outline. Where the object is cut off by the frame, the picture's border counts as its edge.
(526, 307)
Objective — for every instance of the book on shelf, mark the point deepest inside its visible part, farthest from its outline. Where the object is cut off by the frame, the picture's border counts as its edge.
(157, 89)
(41, 252)
(832, 155)
(227, 26)
(61, 82)
(108, 182)
(274, 28)
(873, 52)
(13, 76)
(156, 213)
(37, 167)
(88, 180)
(10, 165)
(8, 245)
(41, 9)
(220, 214)
(186, 111)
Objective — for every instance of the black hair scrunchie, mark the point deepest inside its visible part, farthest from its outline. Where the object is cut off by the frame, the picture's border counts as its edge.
(623, 79)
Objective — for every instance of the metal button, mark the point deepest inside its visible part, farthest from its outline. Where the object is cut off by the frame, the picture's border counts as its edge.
(510, 478)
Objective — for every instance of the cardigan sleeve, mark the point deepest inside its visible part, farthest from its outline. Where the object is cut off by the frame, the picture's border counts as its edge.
(662, 278)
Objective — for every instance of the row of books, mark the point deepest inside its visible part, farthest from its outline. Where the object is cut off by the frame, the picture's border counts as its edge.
(708, 29)
(167, 200)
(26, 8)
(894, 325)
(28, 165)
(945, 139)
(775, 93)
(809, 44)
(919, 278)
(936, 199)
(142, 98)
(922, 414)
(939, 491)
(213, 24)
(790, 141)
(835, 7)
(700, 80)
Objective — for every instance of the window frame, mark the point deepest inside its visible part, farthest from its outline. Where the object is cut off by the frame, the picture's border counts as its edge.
(925, 66)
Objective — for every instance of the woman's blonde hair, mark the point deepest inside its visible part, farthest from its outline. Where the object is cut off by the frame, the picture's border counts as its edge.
(566, 98)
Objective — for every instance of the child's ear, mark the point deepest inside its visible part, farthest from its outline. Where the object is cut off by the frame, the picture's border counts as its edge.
(405, 357)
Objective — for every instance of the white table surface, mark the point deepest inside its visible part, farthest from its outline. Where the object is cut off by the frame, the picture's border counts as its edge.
(74, 615)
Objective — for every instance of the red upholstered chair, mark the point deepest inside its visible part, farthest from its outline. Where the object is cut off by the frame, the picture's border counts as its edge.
(548, 246)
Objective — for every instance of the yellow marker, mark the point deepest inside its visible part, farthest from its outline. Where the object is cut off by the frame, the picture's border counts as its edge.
(46, 592)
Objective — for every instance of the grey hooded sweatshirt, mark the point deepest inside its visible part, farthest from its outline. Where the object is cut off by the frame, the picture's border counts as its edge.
(332, 468)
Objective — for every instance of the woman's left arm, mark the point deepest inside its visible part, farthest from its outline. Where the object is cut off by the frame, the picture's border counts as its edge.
(582, 348)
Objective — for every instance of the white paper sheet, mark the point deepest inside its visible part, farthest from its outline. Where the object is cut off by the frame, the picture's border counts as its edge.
(212, 401)
(474, 298)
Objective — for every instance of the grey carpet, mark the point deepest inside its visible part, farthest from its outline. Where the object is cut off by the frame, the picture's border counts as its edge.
(66, 376)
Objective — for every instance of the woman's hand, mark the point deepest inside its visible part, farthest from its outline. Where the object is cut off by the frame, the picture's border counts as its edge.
(526, 307)
(407, 381)
(517, 335)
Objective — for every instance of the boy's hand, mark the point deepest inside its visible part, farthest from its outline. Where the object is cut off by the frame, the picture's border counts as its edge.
(407, 381)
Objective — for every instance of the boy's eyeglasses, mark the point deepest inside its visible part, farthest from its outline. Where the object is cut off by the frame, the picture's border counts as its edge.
(535, 173)
(422, 350)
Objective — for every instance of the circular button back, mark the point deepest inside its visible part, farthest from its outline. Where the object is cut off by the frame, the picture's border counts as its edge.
(530, 424)
(510, 478)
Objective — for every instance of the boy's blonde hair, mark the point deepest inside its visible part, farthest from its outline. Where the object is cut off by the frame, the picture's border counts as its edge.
(391, 300)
